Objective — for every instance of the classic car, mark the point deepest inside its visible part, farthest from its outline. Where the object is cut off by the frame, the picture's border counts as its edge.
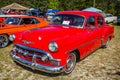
(70, 37)
(118, 20)
(15, 23)
(109, 18)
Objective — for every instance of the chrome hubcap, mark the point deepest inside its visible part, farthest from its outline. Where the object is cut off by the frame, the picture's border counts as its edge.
(70, 63)
(3, 41)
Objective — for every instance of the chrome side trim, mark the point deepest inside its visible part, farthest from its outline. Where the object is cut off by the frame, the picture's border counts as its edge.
(89, 42)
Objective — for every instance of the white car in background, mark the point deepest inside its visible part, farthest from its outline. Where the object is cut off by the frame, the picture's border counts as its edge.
(110, 18)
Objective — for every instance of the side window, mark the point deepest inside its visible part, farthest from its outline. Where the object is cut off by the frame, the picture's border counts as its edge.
(36, 21)
(29, 21)
(91, 21)
(12, 20)
(100, 21)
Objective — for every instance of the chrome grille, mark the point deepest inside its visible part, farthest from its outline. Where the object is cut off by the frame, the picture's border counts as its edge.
(30, 54)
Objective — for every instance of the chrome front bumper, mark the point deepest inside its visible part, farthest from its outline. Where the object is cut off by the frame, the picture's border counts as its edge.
(35, 66)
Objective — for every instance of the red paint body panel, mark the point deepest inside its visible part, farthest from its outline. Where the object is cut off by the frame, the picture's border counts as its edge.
(68, 38)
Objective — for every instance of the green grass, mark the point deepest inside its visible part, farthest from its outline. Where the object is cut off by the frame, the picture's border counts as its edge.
(103, 64)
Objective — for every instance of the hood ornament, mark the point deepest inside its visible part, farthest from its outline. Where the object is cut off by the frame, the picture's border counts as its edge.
(27, 42)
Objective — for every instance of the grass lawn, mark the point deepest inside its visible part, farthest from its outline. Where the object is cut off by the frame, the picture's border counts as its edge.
(103, 64)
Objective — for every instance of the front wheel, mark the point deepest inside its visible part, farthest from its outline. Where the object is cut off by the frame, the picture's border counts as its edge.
(70, 63)
(4, 41)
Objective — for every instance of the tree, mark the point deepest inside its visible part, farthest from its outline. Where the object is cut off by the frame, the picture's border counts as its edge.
(53, 4)
(108, 6)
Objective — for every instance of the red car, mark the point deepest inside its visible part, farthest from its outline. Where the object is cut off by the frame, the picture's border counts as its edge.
(71, 36)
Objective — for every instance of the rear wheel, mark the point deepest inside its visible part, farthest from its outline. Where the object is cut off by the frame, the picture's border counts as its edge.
(70, 63)
(106, 44)
(4, 41)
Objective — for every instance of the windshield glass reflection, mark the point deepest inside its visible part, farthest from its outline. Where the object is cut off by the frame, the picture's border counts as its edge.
(68, 20)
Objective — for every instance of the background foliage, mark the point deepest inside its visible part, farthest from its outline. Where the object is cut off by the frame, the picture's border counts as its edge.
(108, 6)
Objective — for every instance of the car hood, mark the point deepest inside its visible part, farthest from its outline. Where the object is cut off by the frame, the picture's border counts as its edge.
(41, 37)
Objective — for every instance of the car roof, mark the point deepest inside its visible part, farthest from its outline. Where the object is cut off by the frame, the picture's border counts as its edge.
(21, 16)
(10, 15)
(83, 13)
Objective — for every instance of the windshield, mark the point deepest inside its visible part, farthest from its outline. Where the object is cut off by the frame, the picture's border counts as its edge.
(68, 19)
(12, 20)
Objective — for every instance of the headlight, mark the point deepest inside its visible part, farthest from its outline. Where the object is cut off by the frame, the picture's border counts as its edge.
(12, 37)
(53, 46)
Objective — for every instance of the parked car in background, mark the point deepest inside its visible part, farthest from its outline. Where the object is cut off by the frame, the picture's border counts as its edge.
(118, 19)
(18, 23)
(71, 36)
(13, 12)
(32, 12)
(50, 13)
(36, 12)
(109, 18)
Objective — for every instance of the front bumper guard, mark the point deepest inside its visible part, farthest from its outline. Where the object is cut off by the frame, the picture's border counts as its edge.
(35, 66)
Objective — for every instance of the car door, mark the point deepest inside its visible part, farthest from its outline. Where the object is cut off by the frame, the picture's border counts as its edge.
(28, 23)
(11, 25)
(93, 35)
